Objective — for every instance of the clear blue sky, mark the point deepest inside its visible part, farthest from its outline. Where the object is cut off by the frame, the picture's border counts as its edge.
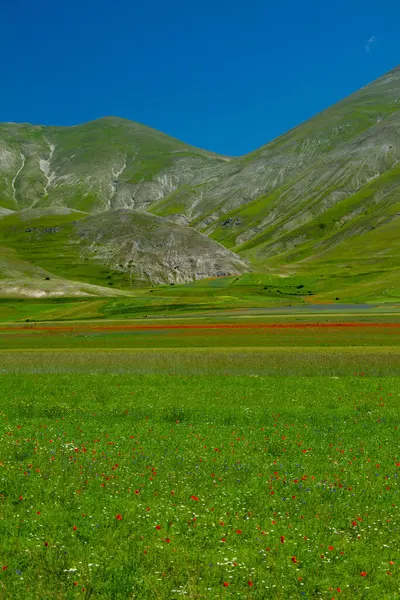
(223, 75)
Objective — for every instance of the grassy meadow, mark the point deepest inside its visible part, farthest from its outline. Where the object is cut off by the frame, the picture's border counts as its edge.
(247, 458)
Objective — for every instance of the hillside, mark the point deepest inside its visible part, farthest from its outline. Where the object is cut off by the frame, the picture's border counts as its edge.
(122, 248)
(126, 205)
(109, 163)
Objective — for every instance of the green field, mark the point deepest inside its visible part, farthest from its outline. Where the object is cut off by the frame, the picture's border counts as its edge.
(247, 457)
(164, 486)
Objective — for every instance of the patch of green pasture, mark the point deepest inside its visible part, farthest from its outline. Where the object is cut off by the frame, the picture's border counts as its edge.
(87, 335)
(284, 361)
(49, 309)
(147, 486)
(220, 301)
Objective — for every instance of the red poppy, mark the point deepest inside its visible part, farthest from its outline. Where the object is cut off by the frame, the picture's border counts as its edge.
(118, 517)
(238, 531)
(282, 539)
(74, 528)
(331, 548)
(158, 526)
(363, 573)
(137, 492)
(20, 498)
(4, 568)
(294, 559)
(226, 584)
(222, 523)
(195, 498)
(338, 590)
(223, 539)
(167, 540)
(75, 583)
(250, 583)
(46, 544)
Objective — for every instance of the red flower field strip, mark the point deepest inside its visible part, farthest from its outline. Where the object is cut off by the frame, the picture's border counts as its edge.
(201, 326)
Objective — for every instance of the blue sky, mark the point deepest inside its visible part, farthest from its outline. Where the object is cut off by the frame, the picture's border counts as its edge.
(222, 75)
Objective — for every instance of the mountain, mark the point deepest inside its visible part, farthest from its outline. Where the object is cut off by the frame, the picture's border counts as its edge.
(109, 163)
(125, 202)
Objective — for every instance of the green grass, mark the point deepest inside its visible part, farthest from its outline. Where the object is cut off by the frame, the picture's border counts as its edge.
(223, 465)
(333, 361)
(193, 335)
(203, 303)
(48, 241)
(164, 463)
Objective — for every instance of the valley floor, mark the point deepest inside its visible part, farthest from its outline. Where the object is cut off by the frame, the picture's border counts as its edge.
(250, 458)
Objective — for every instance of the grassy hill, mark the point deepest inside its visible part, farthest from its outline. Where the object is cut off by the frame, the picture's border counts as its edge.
(108, 163)
(117, 204)
(120, 249)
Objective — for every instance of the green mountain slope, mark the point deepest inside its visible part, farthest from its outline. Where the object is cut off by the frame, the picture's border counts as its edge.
(120, 198)
(121, 249)
(313, 167)
(109, 163)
